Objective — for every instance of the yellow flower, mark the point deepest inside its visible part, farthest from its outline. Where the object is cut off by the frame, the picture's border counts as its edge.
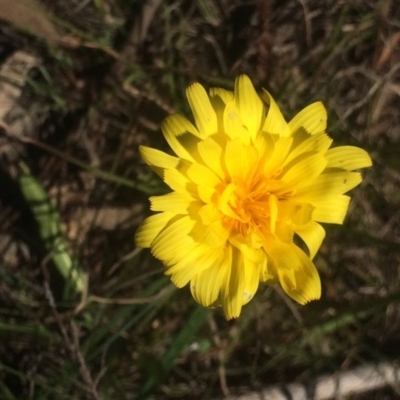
(244, 184)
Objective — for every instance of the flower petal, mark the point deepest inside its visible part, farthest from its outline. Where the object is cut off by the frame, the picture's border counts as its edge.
(225, 95)
(319, 142)
(219, 98)
(292, 214)
(202, 176)
(304, 170)
(209, 213)
(246, 247)
(331, 210)
(312, 234)
(181, 135)
(275, 123)
(326, 185)
(312, 118)
(150, 228)
(280, 151)
(174, 240)
(157, 159)
(249, 105)
(206, 285)
(177, 203)
(233, 125)
(297, 274)
(216, 234)
(251, 279)
(240, 160)
(197, 258)
(176, 181)
(264, 144)
(203, 112)
(273, 211)
(211, 154)
(254, 261)
(348, 158)
(233, 287)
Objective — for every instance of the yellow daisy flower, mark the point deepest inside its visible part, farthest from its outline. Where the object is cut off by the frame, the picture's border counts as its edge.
(244, 184)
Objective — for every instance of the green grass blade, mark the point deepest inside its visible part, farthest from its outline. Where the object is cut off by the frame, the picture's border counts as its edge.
(49, 225)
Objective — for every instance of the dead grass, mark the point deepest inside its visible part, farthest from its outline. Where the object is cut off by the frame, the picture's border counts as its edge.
(76, 118)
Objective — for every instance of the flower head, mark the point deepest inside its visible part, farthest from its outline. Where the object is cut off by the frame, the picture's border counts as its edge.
(244, 184)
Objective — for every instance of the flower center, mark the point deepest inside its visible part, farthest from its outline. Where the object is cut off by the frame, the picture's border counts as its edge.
(249, 205)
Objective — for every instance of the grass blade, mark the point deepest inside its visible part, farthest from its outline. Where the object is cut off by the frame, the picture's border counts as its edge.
(49, 225)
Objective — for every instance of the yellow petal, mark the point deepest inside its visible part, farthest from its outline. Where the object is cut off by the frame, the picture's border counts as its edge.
(284, 231)
(233, 124)
(319, 142)
(251, 280)
(206, 285)
(240, 286)
(244, 245)
(177, 203)
(312, 118)
(312, 234)
(197, 258)
(211, 154)
(205, 193)
(157, 159)
(233, 287)
(201, 175)
(274, 124)
(209, 213)
(172, 243)
(151, 227)
(225, 95)
(280, 152)
(216, 234)
(219, 98)
(181, 135)
(273, 211)
(304, 170)
(326, 185)
(176, 181)
(302, 214)
(348, 158)
(267, 274)
(203, 112)
(297, 274)
(332, 210)
(249, 105)
(224, 200)
(264, 145)
(240, 160)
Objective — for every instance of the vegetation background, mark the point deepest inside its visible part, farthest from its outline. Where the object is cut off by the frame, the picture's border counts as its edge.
(85, 315)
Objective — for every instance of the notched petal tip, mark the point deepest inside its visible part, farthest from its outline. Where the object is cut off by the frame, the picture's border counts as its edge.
(249, 105)
(225, 95)
(158, 159)
(203, 112)
(275, 123)
(181, 135)
(349, 158)
(313, 119)
(298, 275)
